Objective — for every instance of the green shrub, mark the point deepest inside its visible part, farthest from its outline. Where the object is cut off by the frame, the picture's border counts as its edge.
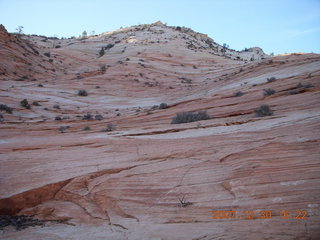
(110, 127)
(238, 94)
(101, 52)
(163, 106)
(24, 103)
(35, 103)
(268, 92)
(271, 79)
(5, 108)
(82, 93)
(98, 117)
(88, 116)
(185, 117)
(263, 110)
(87, 128)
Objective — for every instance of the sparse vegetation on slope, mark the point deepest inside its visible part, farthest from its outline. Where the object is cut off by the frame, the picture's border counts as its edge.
(185, 117)
(263, 110)
(5, 108)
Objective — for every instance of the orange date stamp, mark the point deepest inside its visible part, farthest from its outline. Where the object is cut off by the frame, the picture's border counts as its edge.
(259, 214)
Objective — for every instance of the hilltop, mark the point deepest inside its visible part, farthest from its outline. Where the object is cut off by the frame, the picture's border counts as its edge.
(94, 153)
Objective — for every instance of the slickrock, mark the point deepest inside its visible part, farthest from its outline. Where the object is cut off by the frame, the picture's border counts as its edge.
(131, 174)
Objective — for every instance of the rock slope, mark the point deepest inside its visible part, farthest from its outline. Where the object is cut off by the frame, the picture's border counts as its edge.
(148, 178)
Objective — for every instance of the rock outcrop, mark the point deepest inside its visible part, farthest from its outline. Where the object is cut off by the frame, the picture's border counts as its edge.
(131, 174)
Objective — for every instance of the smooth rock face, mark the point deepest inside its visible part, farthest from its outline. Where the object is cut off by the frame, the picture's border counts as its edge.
(132, 174)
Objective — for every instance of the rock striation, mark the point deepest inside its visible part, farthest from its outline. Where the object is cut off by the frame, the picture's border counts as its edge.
(131, 174)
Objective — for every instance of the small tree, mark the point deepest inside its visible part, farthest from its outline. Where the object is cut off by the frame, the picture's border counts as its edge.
(20, 29)
(84, 34)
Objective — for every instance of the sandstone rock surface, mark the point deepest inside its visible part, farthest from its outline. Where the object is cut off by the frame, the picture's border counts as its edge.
(129, 183)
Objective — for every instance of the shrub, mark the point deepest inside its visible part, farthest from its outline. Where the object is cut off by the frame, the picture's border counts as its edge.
(47, 54)
(103, 68)
(163, 106)
(268, 92)
(40, 85)
(98, 117)
(58, 46)
(56, 106)
(24, 103)
(110, 127)
(58, 118)
(101, 52)
(87, 128)
(263, 110)
(271, 79)
(295, 91)
(186, 117)
(88, 116)
(238, 94)
(5, 108)
(82, 93)
(305, 85)
(63, 128)
(35, 103)
(109, 46)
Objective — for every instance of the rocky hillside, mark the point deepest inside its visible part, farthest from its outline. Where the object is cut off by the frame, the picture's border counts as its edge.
(94, 150)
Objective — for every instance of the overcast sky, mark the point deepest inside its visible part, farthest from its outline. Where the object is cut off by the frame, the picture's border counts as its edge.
(277, 26)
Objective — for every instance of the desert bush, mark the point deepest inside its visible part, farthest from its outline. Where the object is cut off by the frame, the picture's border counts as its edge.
(5, 108)
(304, 85)
(98, 117)
(109, 46)
(110, 127)
(63, 128)
(82, 93)
(19, 222)
(47, 54)
(24, 103)
(101, 52)
(56, 106)
(238, 94)
(268, 92)
(263, 110)
(185, 117)
(40, 85)
(58, 46)
(57, 118)
(295, 91)
(88, 116)
(103, 68)
(271, 79)
(35, 103)
(87, 128)
(163, 106)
